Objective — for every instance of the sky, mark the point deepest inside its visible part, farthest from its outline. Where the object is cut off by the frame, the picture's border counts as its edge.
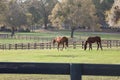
(59, 0)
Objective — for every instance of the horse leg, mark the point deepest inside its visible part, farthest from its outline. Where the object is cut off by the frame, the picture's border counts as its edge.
(90, 46)
(85, 45)
(63, 46)
(58, 46)
(98, 45)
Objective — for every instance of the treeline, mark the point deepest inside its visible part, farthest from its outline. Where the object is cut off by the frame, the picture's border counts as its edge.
(66, 14)
(25, 13)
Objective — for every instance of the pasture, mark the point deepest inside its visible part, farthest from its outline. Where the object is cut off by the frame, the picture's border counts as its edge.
(70, 55)
(107, 56)
(47, 36)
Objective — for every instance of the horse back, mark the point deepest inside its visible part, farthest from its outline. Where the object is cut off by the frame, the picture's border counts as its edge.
(94, 39)
(64, 39)
(98, 38)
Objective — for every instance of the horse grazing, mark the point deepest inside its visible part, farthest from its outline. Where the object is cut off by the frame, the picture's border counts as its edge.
(61, 40)
(91, 40)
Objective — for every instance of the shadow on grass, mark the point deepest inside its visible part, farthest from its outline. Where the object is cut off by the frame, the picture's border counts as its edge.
(66, 56)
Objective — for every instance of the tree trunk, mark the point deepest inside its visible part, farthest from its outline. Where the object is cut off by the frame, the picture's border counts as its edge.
(45, 20)
(12, 32)
(45, 24)
(72, 32)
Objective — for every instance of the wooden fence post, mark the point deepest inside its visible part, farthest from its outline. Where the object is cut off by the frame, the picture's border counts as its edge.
(35, 45)
(110, 43)
(76, 71)
(41, 45)
(47, 44)
(74, 45)
(116, 43)
(50, 45)
(28, 45)
(15, 46)
(10, 46)
(119, 43)
(22, 45)
(82, 44)
(3, 46)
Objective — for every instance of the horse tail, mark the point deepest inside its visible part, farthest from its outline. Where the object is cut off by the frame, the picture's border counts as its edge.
(100, 42)
(54, 42)
(85, 45)
(67, 42)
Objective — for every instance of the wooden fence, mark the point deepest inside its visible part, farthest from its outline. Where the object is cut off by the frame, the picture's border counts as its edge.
(49, 45)
(27, 37)
(4, 35)
(74, 70)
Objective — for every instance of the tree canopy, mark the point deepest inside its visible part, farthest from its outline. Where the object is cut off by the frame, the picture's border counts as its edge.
(73, 14)
(113, 15)
(64, 14)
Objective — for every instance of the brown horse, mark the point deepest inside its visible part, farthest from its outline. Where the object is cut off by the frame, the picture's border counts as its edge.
(91, 40)
(61, 40)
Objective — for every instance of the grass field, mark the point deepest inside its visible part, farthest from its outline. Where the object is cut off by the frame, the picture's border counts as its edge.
(67, 33)
(78, 34)
(107, 56)
(51, 77)
(50, 34)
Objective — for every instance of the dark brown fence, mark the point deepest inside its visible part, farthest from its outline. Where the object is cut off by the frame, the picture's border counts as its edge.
(37, 38)
(27, 37)
(4, 35)
(74, 70)
(26, 46)
(49, 45)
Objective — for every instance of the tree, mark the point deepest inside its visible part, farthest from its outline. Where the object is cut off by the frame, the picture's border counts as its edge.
(40, 10)
(101, 7)
(113, 15)
(74, 14)
(3, 11)
(16, 15)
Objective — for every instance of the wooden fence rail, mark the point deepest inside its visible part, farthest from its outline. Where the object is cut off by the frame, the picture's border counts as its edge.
(4, 36)
(26, 37)
(74, 70)
(49, 45)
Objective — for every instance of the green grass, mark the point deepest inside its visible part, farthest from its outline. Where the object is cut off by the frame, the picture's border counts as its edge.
(78, 35)
(51, 77)
(81, 35)
(107, 56)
